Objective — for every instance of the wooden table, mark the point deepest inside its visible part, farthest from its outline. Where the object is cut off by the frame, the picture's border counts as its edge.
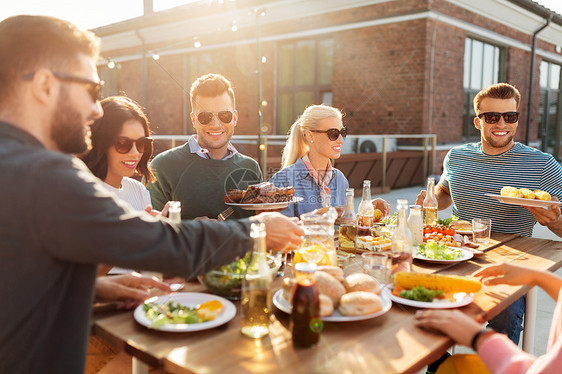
(387, 344)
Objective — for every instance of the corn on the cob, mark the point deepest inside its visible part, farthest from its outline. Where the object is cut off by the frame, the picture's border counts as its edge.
(527, 193)
(446, 283)
(542, 195)
(509, 191)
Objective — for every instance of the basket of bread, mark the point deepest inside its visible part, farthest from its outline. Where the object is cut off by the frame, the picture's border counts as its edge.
(342, 298)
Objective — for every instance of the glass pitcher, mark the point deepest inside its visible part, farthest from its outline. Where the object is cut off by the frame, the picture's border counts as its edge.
(318, 244)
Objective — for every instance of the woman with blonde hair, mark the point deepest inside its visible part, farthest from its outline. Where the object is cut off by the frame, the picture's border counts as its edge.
(315, 139)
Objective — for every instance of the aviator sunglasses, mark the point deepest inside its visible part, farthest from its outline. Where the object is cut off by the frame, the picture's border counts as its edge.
(225, 116)
(94, 88)
(494, 117)
(124, 145)
(333, 134)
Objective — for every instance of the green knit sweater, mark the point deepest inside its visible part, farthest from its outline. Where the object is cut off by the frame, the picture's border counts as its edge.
(200, 184)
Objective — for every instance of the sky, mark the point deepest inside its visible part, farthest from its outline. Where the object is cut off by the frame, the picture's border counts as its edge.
(93, 13)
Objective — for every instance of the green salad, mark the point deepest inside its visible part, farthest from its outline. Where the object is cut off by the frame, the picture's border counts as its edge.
(171, 313)
(438, 251)
(420, 294)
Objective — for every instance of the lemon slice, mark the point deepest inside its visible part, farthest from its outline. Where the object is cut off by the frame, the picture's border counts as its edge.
(208, 310)
(313, 254)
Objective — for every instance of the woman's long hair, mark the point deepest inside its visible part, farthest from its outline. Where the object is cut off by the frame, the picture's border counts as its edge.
(116, 111)
(297, 144)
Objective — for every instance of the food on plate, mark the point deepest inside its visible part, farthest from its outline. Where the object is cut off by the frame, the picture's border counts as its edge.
(390, 220)
(326, 305)
(461, 225)
(542, 195)
(289, 285)
(447, 221)
(525, 193)
(509, 191)
(359, 303)
(372, 243)
(329, 286)
(377, 215)
(334, 271)
(439, 251)
(264, 192)
(361, 282)
(420, 294)
(176, 313)
(441, 234)
(445, 283)
(209, 310)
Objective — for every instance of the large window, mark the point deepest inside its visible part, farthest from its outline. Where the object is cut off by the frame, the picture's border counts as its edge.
(483, 66)
(549, 120)
(304, 78)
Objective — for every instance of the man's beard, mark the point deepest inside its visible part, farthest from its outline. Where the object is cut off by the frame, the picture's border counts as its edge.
(498, 143)
(67, 129)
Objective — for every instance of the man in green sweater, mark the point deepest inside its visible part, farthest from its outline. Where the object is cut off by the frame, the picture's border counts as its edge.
(199, 172)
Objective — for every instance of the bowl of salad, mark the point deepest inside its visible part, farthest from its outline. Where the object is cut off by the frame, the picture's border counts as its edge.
(226, 280)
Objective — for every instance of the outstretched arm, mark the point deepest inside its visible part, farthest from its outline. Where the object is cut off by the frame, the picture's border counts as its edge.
(442, 194)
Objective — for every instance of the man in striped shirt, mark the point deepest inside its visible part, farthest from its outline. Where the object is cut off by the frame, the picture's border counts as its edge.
(473, 170)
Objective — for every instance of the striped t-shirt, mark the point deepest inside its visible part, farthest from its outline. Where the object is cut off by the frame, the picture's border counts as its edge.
(469, 174)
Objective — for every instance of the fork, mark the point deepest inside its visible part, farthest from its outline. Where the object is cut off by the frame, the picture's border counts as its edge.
(225, 214)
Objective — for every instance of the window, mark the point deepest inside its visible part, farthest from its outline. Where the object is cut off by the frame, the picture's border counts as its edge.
(483, 66)
(304, 78)
(549, 107)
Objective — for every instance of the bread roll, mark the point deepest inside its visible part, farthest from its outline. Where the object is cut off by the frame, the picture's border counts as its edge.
(334, 271)
(329, 286)
(359, 303)
(289, 285)
(326, 306)
(361, 282)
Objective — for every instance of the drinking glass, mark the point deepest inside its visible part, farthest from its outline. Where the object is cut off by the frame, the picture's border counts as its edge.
(481, 230)
(377, 265)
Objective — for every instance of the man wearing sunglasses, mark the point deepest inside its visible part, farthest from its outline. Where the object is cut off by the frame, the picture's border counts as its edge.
(58, 221)
(473, 170)
(199, 172)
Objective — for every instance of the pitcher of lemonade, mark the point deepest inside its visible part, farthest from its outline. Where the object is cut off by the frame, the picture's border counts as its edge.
(318, 244)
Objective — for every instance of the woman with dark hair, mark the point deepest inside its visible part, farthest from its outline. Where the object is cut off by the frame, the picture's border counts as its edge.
(121, 146)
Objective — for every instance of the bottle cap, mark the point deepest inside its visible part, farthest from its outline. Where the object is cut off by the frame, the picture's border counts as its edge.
(415, 207)
(305, 267)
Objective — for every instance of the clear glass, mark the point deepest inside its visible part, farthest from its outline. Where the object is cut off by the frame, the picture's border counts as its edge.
(174, 211)
(348, 229)
(401, 241)
(415, 224)
(256, 288)
(318, 245)
(430, 204)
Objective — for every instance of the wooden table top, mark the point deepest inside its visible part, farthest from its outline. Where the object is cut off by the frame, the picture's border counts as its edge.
(386, 344)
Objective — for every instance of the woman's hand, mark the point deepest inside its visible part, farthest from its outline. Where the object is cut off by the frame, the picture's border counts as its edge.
(381, 205)
(454, 323)
(505, 273)
(130, 289)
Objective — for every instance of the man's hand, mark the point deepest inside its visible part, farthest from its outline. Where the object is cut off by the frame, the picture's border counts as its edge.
(282, 233)
(131, 289)
(550, 217)
(421, 197)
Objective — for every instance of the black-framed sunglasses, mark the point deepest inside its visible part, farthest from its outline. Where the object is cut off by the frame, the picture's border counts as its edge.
(333, 134)
(225, 116)
(94, 88)
(124, 145)
(494, 117)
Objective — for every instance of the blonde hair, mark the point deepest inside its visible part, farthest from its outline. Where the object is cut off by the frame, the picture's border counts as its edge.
(297, 144)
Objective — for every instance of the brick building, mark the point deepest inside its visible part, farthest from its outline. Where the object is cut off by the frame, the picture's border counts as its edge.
(392, 66)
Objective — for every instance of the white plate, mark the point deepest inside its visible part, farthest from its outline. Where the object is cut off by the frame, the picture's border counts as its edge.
(464, 299)
(268, 206)
(522, 201)
(465, 255)
(190, 299)
(285, 306)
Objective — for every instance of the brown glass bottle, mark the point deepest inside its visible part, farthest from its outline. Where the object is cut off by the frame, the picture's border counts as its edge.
(305, 316)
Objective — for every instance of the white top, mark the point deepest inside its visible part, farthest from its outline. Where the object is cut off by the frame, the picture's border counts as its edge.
(133, 192)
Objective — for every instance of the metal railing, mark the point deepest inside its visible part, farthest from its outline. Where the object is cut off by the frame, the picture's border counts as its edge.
(429, 145)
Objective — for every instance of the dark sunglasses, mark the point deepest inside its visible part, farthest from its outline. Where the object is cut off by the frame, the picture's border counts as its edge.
(494, 117)
(94, 88)
(205, 118)
(333, 134)
(124, 145)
